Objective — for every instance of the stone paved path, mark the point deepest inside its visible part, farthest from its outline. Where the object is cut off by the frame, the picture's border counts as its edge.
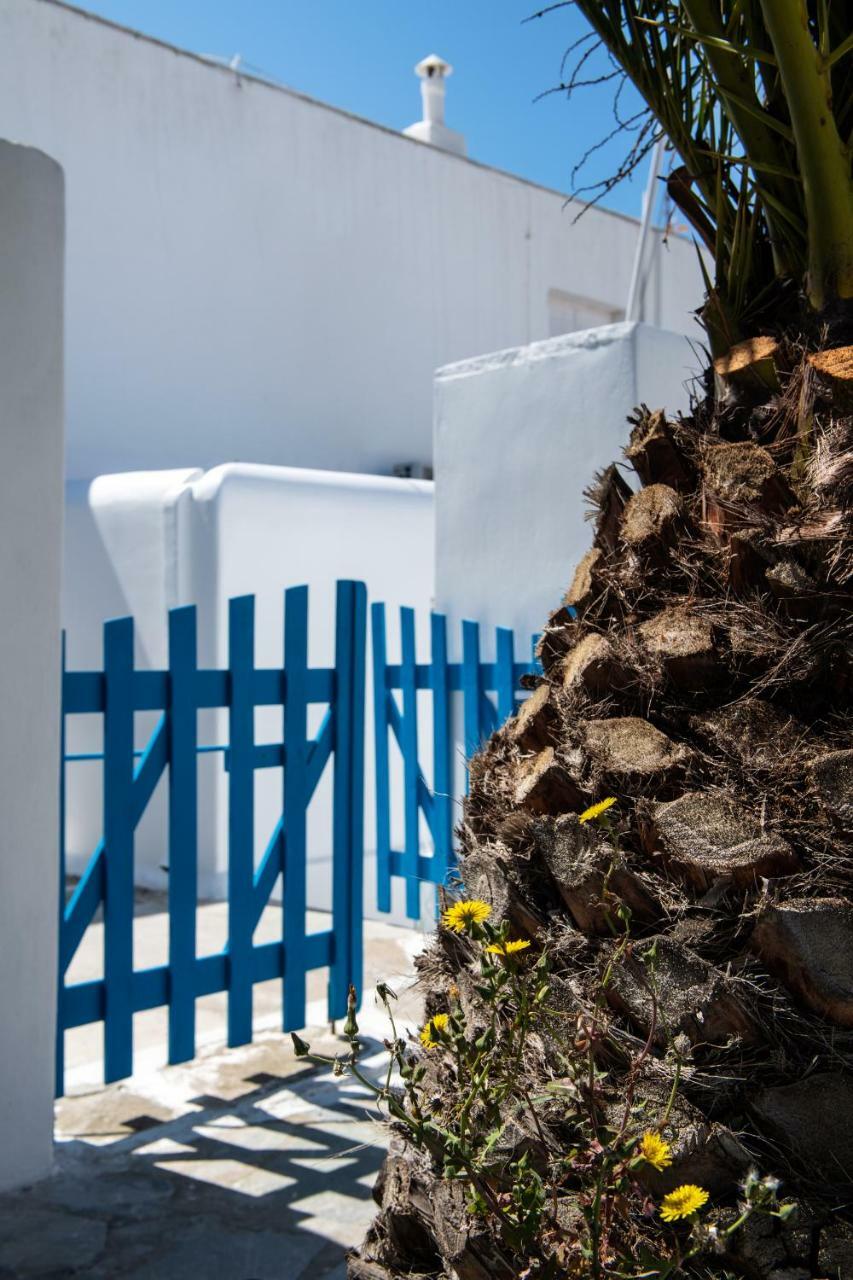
(243, 1165)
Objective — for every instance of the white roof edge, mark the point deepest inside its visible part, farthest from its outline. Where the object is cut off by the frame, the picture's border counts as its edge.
(581, 340)
(546, 349)
(277, 87)
(208, 484)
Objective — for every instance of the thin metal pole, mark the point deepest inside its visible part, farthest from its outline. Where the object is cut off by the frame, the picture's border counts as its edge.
(632, 307)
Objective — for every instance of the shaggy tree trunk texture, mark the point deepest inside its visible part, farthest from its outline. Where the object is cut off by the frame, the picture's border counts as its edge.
(700, 670)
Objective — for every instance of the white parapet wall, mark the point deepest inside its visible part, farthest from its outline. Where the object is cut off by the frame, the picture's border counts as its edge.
(31, 452)
(519, 435)
(140, 543)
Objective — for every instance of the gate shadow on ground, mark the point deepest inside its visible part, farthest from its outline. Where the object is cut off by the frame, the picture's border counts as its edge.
(271, 1184)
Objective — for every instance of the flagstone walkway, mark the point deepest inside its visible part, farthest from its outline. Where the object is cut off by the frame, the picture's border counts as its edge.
(246, 1164)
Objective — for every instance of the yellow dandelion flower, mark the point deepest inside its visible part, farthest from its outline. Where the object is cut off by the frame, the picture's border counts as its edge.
(683, 1202)
(428, 1037)
(596, 810)
(508, 948)
(462, 915)
(655, 1151)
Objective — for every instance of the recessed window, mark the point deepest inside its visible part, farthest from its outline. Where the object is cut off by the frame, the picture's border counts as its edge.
(567, 313)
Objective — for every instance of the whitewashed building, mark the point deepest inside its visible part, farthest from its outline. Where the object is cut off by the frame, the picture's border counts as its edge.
(253, 277)
(256, 276)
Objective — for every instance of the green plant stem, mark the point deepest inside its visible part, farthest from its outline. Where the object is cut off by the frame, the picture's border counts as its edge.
(824, 160)
(479, 1081)
(672, 1093)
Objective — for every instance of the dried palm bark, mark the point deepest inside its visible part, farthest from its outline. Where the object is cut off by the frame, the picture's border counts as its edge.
(700, 669)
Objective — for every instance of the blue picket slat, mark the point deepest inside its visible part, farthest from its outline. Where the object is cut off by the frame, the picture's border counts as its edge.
(471, 687)
(409, 747)
(241, 816)
(347, 836)
(118, 841)
(475, 680)
(504, 673)
(442, 763)
(183, 832)
(355, 705)
(295, 800)
(381, 700)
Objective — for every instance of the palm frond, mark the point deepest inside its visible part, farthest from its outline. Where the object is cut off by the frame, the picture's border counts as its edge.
(719, 80)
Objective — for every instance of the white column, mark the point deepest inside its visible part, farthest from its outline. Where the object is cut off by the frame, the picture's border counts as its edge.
(31, 463)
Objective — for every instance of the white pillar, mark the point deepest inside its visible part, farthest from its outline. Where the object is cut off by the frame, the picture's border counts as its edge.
(31, 463)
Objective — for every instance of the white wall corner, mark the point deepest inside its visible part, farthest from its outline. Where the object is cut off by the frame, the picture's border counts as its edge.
(32, 238)
(519, 435)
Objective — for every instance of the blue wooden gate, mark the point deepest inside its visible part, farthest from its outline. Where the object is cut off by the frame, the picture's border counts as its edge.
(475, 680)
(119, 691)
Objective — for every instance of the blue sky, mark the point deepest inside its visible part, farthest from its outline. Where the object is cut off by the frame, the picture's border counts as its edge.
(359, 54)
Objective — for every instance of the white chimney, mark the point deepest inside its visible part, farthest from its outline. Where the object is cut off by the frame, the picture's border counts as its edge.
(433, 71)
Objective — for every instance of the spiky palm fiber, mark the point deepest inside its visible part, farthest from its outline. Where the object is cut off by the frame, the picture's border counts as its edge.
(700, 670)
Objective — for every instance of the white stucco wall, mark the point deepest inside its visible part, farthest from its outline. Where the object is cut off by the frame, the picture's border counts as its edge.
(519, 435)
(145, 542)
(118, 560)
(253, 275)
(31, 253)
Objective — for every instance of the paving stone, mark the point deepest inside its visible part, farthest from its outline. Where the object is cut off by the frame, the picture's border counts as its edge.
(231, 1175)
(163, 1147)
(117, 1114)
(244, 1163)
(37, 1240)
(109, 1186)
(222, 1250)
(232, 1131)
